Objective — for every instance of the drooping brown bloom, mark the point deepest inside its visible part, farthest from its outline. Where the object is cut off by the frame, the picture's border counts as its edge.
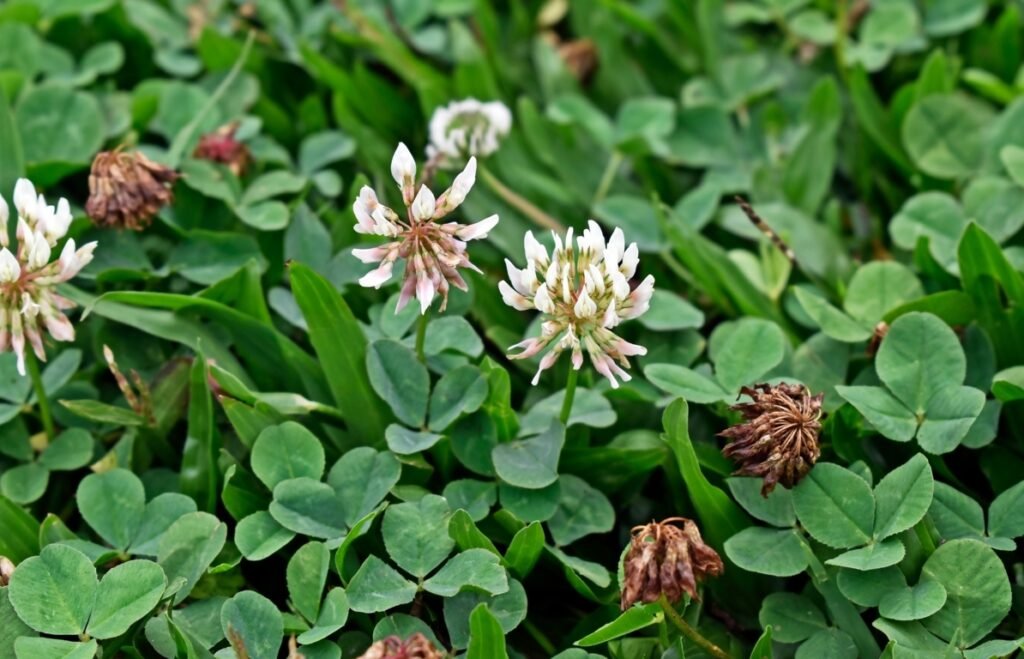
(779, 439)
(416, 646)
(6, 570)
(667, 557)
(126, 189)
(221, 146)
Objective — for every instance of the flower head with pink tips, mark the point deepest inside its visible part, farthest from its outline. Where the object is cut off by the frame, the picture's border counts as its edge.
(583, 290)
(29, 302)
(433, 252)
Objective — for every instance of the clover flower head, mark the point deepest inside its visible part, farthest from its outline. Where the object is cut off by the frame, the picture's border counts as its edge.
(28, 278)
(126, 189)
(467, 128)
(222, 146)
(433, 252)
(416, 646)
(778, 439)
(583, 291)
(666, 558)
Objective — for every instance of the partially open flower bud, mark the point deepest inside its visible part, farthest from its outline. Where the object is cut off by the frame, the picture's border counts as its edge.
(221, 146)
(416, 646)
(126, 189)
(6, 570)
(779, 439)
(667, 558)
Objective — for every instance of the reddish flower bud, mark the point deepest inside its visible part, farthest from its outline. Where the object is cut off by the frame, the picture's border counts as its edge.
(416, 646)
(221, 146)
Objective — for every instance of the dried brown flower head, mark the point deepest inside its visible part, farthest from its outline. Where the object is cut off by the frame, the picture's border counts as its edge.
(126, 189)
(416, 646)
(221, 146)
(667, 557)
(6, 570)
(778, 441)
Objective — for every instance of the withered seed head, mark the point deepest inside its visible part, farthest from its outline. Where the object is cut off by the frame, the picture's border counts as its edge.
(667, 557)
(416, 646)
(126, 189)
(222, 146)
(778, 441)
(6, 570)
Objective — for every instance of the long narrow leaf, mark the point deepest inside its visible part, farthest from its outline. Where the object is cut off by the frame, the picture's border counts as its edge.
(341, 347)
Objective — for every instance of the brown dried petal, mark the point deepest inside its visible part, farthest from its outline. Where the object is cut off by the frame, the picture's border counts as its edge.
(666, 559)
(778, 441)
(126, 189)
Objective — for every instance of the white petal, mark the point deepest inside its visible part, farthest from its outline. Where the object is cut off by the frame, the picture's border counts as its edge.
(425, 290)
(39, 254)
(370, 255)
(377, 276)
(534, 250)
(512, 298)
(462, 184)
(25, 198)
(542, 300)
(585, 306)
(424, 205)
(10, 269)
(403, 166)
(479, 229)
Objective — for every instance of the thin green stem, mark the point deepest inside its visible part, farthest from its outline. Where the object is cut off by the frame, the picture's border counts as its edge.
(570, 395)
(519, 202)
(689, 630)
(32, 364)
(844, 615)
(607, 178)
(181, 142)
(540, 637)
(421, 335)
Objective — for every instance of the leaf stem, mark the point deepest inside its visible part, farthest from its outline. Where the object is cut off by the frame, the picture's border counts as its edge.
(421, 335)
(519, 202)
(570, 395)
(924, 535)
(689, 630)
(541, 638)
(32, 364)
(607, 178)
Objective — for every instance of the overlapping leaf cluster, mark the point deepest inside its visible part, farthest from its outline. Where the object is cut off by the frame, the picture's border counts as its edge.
(312, 473)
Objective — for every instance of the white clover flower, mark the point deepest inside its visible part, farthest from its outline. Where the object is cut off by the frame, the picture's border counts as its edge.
(28, 279)
(467, 128)
(433, 252)
(584, 292)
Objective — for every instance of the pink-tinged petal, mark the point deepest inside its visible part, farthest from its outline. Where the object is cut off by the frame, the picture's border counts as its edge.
(546, 362)
(425, 290)
(527, 347)
(627, 349)
(372, 254)
(640, 298)
(59, 327)
(378, 276)
(18, 341)
(35, 339)
(363, 207)
(74, 263)
(479, 229)
(407, 293)
(603, 366)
